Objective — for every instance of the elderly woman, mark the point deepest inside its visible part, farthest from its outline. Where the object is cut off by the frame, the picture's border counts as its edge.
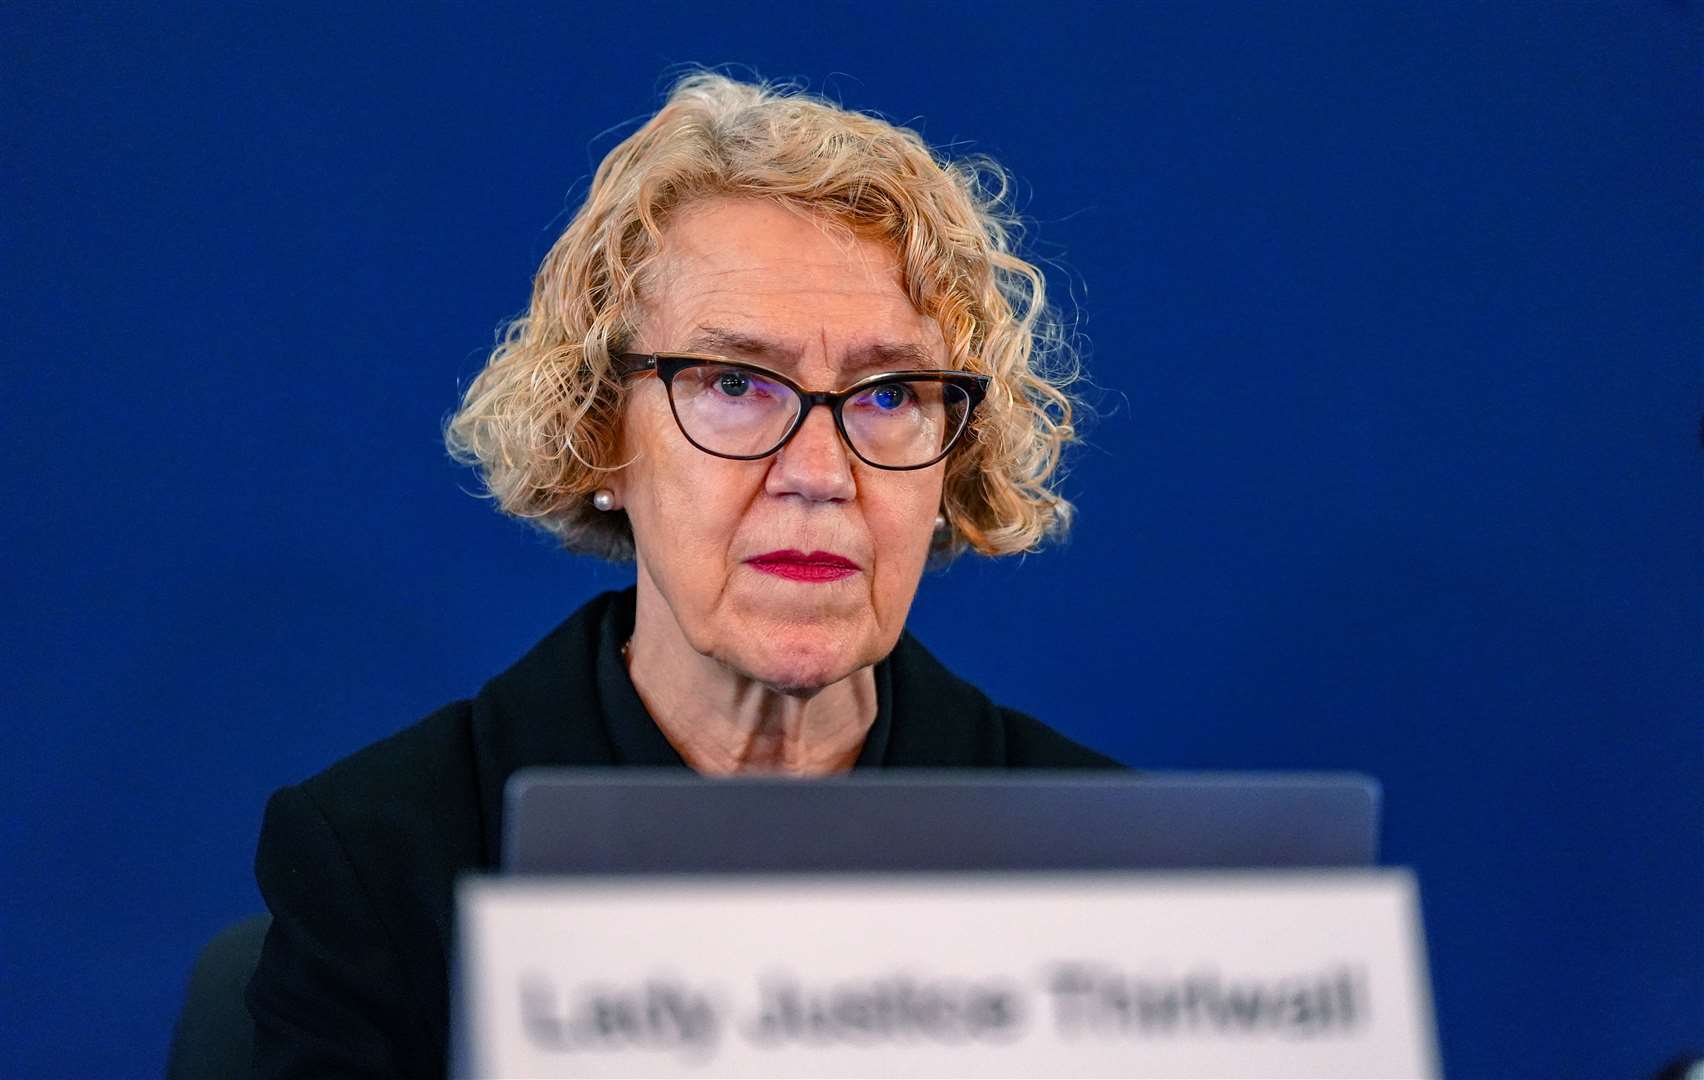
(781, 358)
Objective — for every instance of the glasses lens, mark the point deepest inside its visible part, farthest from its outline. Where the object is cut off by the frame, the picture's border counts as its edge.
(733, 410)
(905, 422)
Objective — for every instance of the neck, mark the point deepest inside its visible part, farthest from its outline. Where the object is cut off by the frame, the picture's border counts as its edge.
(722, 721)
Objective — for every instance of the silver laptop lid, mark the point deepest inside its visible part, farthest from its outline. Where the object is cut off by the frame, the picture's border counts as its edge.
(603, 821)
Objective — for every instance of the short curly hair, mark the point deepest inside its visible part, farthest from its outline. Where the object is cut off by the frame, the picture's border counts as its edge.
(541, 421)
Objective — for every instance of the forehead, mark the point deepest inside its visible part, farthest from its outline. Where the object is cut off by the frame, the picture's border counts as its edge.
(772, 273)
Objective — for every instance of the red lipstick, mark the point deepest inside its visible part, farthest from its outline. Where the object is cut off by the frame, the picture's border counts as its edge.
(799, 566)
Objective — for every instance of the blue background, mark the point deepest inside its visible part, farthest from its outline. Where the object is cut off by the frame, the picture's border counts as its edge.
(1395, 312)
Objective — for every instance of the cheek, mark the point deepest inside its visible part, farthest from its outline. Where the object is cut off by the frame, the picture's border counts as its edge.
(903, 525)
(685, 505)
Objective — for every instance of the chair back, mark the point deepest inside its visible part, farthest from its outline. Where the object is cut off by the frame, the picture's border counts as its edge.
(214, 1039)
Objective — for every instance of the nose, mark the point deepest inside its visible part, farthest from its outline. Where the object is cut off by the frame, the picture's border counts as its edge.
(815, 463)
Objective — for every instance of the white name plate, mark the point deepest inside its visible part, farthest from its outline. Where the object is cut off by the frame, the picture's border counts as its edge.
(1244, 974)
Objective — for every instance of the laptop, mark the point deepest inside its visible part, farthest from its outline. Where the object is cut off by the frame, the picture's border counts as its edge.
(640, 821)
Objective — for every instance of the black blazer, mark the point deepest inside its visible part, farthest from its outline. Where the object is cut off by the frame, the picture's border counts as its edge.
(358, 862)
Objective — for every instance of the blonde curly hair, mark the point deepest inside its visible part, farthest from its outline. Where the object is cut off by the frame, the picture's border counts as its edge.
(541, 422)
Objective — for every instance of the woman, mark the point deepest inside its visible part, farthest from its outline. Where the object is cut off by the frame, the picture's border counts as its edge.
(780, 358)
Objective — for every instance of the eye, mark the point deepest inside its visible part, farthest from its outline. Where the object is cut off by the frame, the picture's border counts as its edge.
(733, 383)
(890, 397)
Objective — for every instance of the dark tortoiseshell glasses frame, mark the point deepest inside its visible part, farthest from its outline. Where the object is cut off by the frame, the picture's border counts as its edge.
(666, 366)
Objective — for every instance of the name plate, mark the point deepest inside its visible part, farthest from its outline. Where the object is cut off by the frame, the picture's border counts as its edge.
(1236, 974)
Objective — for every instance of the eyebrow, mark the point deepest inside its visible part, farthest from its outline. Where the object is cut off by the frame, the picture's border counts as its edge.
(871, 356)
(720, 340)
(897, 355)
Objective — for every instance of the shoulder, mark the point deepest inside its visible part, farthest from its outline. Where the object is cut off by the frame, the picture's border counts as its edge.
(1032, 744)
(418, 786)
(381, 833)
(356, 864)
(940, 719)
(439, 782)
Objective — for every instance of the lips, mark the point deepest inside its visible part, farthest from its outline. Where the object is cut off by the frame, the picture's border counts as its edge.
(817, 566)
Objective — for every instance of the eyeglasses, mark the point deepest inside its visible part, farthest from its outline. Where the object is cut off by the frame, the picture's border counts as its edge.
(896, 420)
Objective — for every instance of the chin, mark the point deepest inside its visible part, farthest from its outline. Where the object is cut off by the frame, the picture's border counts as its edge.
(796, 659)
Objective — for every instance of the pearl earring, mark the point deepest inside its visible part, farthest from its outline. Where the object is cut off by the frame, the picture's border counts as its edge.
(940, 523)
(603, 499)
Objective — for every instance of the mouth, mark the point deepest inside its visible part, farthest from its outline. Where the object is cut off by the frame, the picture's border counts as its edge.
(815, 566)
